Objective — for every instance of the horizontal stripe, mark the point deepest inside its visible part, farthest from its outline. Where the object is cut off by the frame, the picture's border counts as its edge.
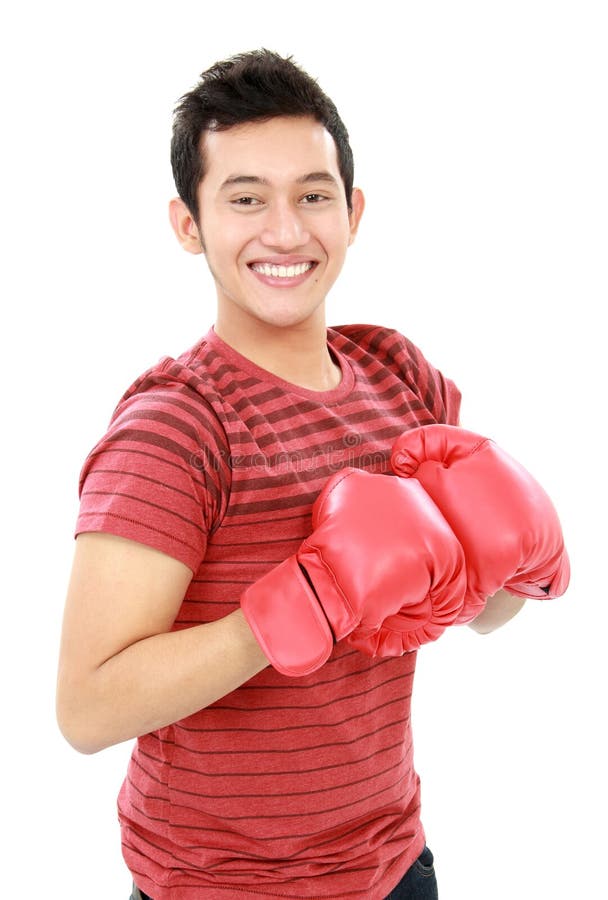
(232, 773)
(338, 744)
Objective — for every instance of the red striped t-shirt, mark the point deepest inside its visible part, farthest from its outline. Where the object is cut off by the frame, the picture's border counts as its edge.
(287, 787)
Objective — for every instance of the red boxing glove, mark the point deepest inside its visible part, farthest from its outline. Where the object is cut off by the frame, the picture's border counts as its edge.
(504, 520)
(381, 565)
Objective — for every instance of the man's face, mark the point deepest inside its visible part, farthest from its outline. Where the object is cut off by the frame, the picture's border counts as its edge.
(273, 219)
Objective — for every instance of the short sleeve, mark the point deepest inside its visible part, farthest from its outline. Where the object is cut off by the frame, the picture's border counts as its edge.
(439, 394)
(151, 478)
(450, 399)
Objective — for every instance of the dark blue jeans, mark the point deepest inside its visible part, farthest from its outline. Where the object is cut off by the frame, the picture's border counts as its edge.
(418, 883)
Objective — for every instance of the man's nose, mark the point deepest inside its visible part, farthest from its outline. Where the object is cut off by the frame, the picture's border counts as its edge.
(283, 227)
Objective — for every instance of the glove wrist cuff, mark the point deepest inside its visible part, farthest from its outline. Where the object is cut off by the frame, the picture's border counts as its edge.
(287, 620)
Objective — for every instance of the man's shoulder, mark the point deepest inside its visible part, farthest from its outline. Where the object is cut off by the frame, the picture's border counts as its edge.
(360, 332)
(167, 377)
(380, 341)
(174, 388)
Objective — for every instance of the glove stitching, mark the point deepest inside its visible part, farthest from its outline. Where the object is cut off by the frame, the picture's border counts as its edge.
(327, 495)
(480, 442)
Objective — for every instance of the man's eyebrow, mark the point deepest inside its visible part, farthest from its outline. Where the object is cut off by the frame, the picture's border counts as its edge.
(242, 179)
(316, 176)
(255, 179)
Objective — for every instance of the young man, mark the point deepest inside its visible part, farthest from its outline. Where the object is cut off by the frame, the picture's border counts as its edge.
(241, 511)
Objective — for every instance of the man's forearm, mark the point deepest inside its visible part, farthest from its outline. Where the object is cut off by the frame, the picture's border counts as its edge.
(498, 611)
(157, 681)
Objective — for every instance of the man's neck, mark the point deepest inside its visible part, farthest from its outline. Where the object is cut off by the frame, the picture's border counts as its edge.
(298, 355)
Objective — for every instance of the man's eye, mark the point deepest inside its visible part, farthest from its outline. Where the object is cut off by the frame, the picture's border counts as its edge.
(314, 198)
(245, 201)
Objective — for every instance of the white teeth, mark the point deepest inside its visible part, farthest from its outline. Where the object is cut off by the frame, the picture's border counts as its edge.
(282, 271)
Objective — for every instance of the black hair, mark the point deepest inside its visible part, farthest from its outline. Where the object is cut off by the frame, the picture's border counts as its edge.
(254, 86)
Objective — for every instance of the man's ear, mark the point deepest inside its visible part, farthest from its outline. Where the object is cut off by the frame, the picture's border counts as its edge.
(184, 226)
(354, 217)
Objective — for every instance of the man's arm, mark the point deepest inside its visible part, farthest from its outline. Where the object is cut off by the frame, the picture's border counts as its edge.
(122, 672)
(498, 611)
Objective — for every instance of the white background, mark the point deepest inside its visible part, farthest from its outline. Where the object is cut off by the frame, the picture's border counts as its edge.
(479, 133)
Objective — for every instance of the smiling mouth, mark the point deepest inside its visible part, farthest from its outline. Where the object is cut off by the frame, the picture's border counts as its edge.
(272, 271)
